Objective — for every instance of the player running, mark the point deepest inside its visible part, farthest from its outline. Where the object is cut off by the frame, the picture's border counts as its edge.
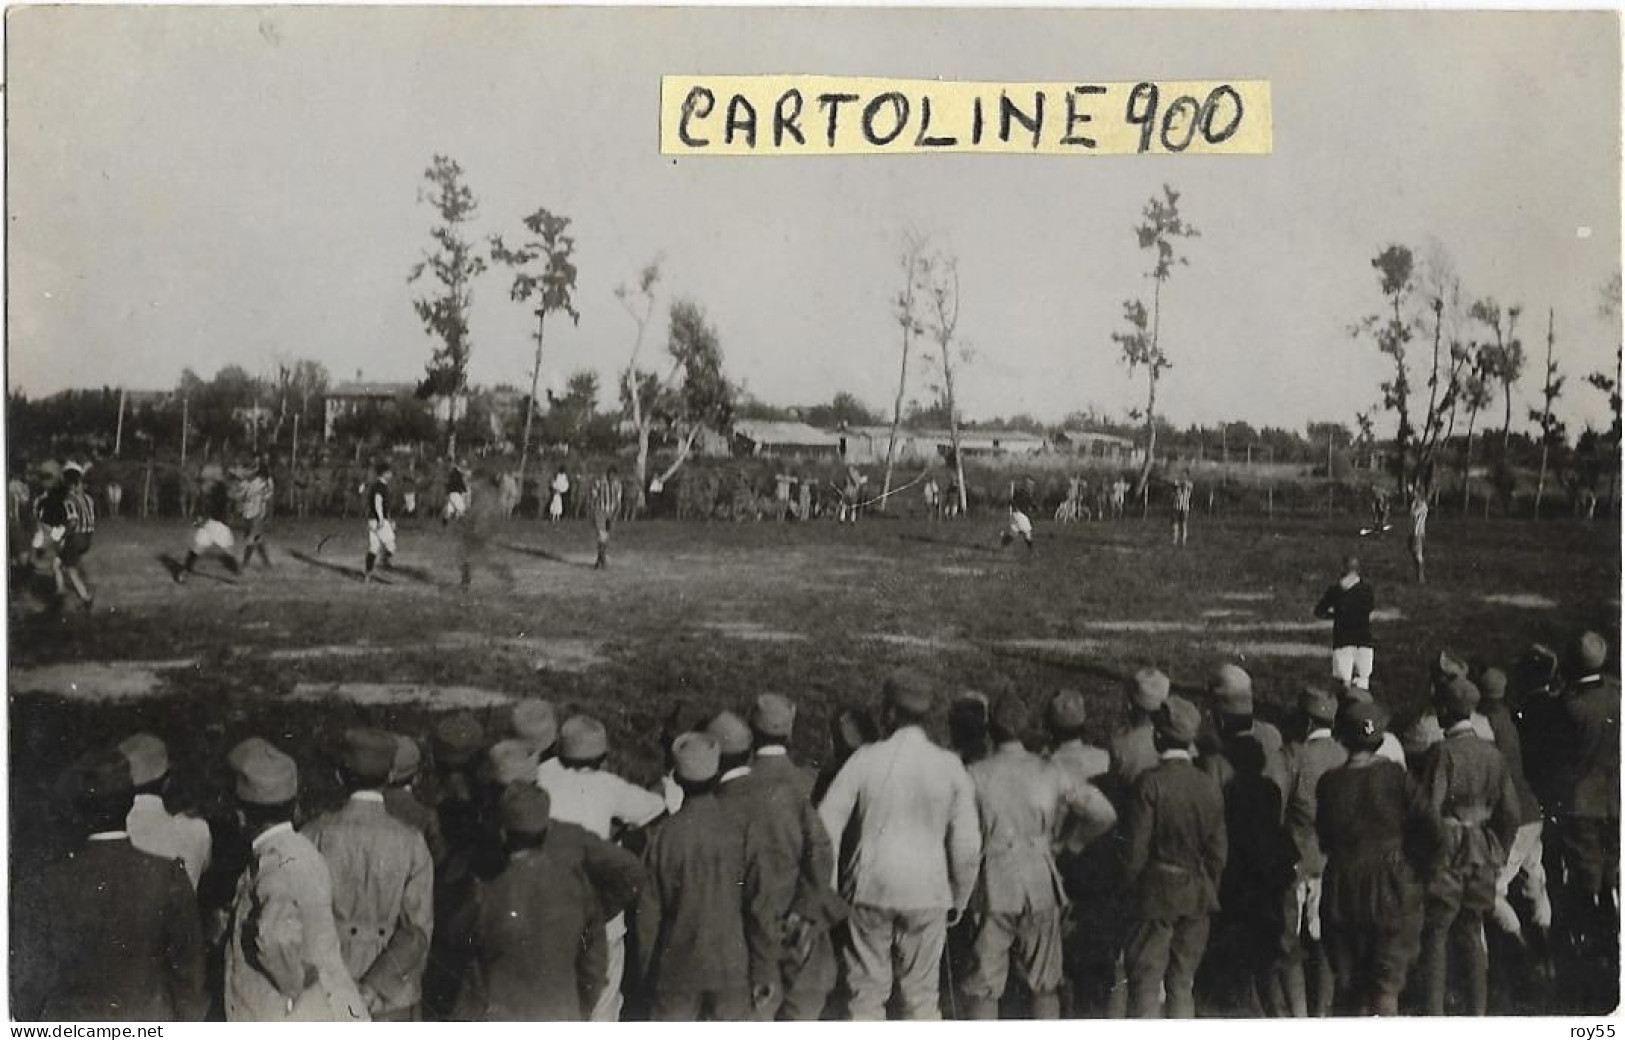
(380, 528)
(606, 505)
(257, 494)
(456, 495)
(213, 532)
(1021, 508)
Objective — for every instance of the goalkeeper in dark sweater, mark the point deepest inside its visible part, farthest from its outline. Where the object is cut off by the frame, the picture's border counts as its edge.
(1348, 604)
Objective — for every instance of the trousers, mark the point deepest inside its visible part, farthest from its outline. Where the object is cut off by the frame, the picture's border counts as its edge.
(1526, 859)
(901, 946)
(1162, 956)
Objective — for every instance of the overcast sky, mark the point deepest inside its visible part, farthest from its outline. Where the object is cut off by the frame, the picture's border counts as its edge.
(192, 187)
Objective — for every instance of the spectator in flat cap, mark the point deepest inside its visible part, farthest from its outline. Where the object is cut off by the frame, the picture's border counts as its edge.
(1391, 748)
(1023, 801)
(402, 800)
(510, 762)
(1444, 672)
(1255, 956)
(1348, 604)
(588, 795)
(110, 933)
(1371, 899)
(801, 897)
(702, 904)
(283, 960)
(912, 807)
(1172, 856)
(1318, 754)
(537, 928)
(383, 882)
(1467, 794)
(1090, 956)
(683, 717)
(465, 810)
(1591, 826)
(1525, 859)
(150, 825)
(1132, 750)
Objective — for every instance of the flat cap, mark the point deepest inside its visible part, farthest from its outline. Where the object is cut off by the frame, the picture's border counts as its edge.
(907, 689)
(1360, 725)
(1178, 721)
(148, 758)
(537, 722)
(511, 762)
(1232, 690)
(1149, 690)
(583, 738)
(731, 734)
(1067, 710)
(1493, 684)
(264, 775)
(697, 757)
(1590, 651)
(408, 759)
(1448, 666)
(369, 754)
(773, 715)
(458, 739)
(1421, 735)
(1317, 703)
(1011, 715)
(1458, 696)
(101, 773)
(526, 809)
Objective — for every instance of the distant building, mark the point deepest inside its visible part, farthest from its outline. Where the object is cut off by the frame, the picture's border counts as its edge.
(865, 444)
(783, 439)
(347, 398)
(1090, 445)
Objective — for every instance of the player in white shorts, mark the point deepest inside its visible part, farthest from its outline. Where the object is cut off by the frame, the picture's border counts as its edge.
(380, 528)
(1021, 524)
(456, 495)
(213, 532)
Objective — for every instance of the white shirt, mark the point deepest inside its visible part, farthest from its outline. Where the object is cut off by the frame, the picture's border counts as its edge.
(268, 833)
(595, 800)
(154, 830)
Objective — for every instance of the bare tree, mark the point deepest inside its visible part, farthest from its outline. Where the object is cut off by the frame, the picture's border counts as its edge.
(1160, 229)
(553, 288)
(1551, 430)
(637, 398)
(939, 274)
(454, 265)
(905, 310)
(1475, 397)
(1610, 382)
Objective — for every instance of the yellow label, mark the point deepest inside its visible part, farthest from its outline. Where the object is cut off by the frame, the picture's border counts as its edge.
(838, 115)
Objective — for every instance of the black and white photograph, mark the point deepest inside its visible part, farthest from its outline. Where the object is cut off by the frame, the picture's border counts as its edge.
(811, 514)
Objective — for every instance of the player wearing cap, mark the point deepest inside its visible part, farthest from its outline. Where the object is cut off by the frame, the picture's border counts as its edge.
(914, 860)
(1133, 750)
(1348, 603)
(151, 827)
(697, 906)
(110, 933)
(1525, 859)
(380, 525)
(1252, 965)
(1371, 899)
(1466, 794)
(1590, 829)
(1308, 762)
(382, 879)
(584, 793)
(283, 960)
(1024, 801)
(537, 928)
(212, 534)
(1172, 855)
(1092, 943)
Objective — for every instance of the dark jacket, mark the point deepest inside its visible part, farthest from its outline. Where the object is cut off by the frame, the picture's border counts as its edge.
(1510, 745)
(1464, 793)
(1593, 707)
(1547, 736)
(1365, 824)
(1174, 846)
(1350, 611)
(111, 934)
(535, 933)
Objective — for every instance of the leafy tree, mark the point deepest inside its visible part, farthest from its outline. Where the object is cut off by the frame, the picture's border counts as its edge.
(1395, 267)
(454, 265)
(1160, 229)
(705, 399)
(552, 287)
(1505, 357)
(906, 312)
(570, 414)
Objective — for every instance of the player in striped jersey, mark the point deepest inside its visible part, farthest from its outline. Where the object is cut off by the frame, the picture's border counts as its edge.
(606, 506)
(1183, 488)
(80, 514)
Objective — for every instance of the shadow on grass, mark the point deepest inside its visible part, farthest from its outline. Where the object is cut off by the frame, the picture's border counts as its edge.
(176, 568)
(926, 539)
(353, 573)
(543, 554)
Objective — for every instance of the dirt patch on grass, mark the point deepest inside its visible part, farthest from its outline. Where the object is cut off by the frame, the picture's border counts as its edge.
(548, 653)
(919, 642)
(961, 572)
(1279, 649)
(471, 698)
(1247, 597)
(1058, 647)
(317, 653)
(96, 680)
(1525, 600)
(1226, 613)
(753, 632)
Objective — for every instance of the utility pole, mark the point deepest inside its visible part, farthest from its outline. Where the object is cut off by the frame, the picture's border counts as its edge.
(118, 431)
